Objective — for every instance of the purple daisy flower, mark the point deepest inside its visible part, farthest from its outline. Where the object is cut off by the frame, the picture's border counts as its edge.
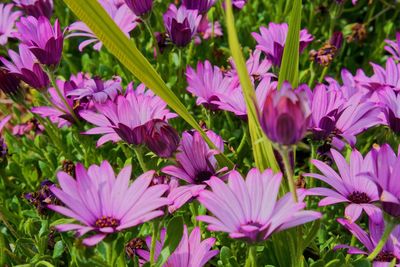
(393, 47)
(140, 7)
(125, 117)
(248, 208)
(181, 24)
(106, 204)
(98, 90)
(202, 6)
(59, 113)
(272, 41)
(36, 8)
(44, 41)
(370, 240)
(206, 83)
(195, 165)
(391, 109)
(10, 85)
(121, 15)
(161, 138)
(191, 251)
(25, 66)
(207, 29)
(384, 167)
(7, 22)
(285, 115)
(351, 186)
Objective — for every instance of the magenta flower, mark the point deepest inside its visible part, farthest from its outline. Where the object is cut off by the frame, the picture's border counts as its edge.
(10, 85)
(58, 112)
(25, 66)
(125, 117)
(351, 186)
(384, 167)
(181, 24)
(7, 22)
(239, 4)
(207, 82)
(207, 29)
(36, 8)
(105, 204)
(191, 251)
(161, 138)
(248, 208)
(121, 15)
(272, 41)
(98, 90)
(3, 145)
(202, 6)
(393, 47)
(140, 7)
(285, 115)
(370, 240)
(391, 109)
(196, 164)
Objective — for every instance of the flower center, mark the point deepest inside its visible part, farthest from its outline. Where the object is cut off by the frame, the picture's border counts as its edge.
(107, 221)
(359, 197)
(385, 256)
(203, 176)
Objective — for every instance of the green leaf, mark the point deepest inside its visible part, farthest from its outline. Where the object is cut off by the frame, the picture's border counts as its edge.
(290, 62)
(172, 239)
(58, 249)
(262, 148)
(97, 19)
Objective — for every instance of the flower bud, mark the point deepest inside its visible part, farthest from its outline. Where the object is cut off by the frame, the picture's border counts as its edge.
(161, 138)
(140, 7)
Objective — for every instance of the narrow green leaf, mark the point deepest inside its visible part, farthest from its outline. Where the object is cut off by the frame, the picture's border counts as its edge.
(172, 239)
(290, 62)
(262, 148)
(97, 19)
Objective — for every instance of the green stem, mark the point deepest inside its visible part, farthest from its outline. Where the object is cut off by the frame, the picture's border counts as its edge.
(323, 74)
(251, 260)
(285, 154)
(8, 225)
(61, 96)
(147, 24)
(243, 142)
(390, 225)
(153, 242)
(139, 156)
(352, 243)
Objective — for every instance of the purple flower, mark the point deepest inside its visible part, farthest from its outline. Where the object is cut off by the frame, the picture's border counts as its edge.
(390, 250)
(105, 204)
(196, 164)
(44, 41)
(351, 186)
(7, 22)
(181, 24)
(161, 138)
(207, 29)
(272, 41)
(59, 113)
(248, 208)
(393, 47)
(25, 66)
(239, 4)
(202, 6)
(124, 118)
(43, 197)
(36, 8)
(98, 90)
(24, 129)
(391, 109)
(206, 83)
(191, 251)
(384, 167)
(121, 15)
(3, 145)
(10, 85)
(286, 115)
(140, 7)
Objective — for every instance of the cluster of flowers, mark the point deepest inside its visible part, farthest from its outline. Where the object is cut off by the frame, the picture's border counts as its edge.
(246, 208)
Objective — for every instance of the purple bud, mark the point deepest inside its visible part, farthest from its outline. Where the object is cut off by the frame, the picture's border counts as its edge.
(161, 138)
(337, 39)
(36, 8)
(202, 6)
(10, 85)
(286, 115)
(140, 7)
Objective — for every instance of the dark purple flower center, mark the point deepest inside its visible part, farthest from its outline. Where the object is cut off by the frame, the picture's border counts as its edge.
(359, 197)
(385, 256)
(107, 221)
(203, 176)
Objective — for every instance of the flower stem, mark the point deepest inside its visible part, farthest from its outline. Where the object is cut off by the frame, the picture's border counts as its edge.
(251, 260)
(153, 242)
(288, 171)
(153, 37)
(61, 96)
(390, 225)
(139, 156)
